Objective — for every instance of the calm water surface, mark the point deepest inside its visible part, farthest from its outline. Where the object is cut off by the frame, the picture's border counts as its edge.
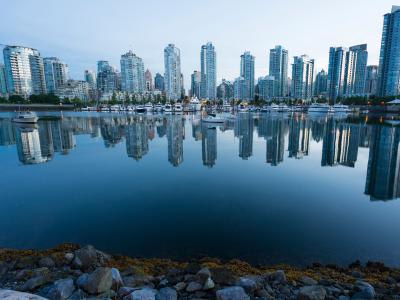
(264, 188)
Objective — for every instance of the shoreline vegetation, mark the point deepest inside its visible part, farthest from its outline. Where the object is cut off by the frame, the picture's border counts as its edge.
(69, 271)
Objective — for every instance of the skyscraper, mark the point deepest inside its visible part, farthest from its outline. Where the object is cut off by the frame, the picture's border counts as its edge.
(148, 80)
(371, 82)
(302, 77)
(266, 87)
(208, 69)
(159, 82)
(24, 71)
(3, 83)
(357, 84)
(389, 58)
(225, 90)
(107, 77)
(278, 68)
(336, 72)
(195, 85)
(55, 73)
(321, 84)
(247, 73)
(90, 78)
(132, 73)
(172, 75)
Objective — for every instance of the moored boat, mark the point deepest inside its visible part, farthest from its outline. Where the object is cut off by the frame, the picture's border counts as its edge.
(26, 117)
(321, 108)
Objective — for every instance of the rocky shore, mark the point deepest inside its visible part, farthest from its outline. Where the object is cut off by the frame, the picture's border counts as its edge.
(72, 272)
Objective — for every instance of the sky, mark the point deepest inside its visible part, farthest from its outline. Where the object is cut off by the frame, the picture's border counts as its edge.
(81, 32)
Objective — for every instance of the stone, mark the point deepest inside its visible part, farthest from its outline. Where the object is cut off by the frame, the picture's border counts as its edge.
(125, 291)
(14, 295)
(137, 280)
(209, 284)
(203, 275)
(142, 294)
(46, 262)
(34, 283)
(26, 262)
(3, 268)
(100, 281)
(223, 276)
(117, 281)
(278, 277)
(78, 295)
(82, 280)
(365, 291)
(180, 286)
(85, 258)
(263, 294)
(232, 293)
(192, 268)
(248, 284)
(167, 294)
(193, 287)
(69, 257)
(305, 280)
(312, 292)
(62, 289)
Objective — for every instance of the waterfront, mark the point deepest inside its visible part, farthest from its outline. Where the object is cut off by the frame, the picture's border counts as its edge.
(262, 187)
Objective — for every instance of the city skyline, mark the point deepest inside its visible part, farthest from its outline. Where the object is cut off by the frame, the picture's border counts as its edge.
(81, 49)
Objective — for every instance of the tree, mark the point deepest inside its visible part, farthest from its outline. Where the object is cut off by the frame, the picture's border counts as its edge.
(16, 99)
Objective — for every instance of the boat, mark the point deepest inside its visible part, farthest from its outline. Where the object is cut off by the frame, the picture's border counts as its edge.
(178, 108)
(26, 117)
(194, 104)
(130, 108)
(321, 108)
(115, 108)
(227, 107)
(212, 118)
(158, 107)
(104, 108)
(283, 108)
(340, 108)
(265, 108)
(148, 107)
(242, 108)
(274, 107)
(140, 109)
(168, 108)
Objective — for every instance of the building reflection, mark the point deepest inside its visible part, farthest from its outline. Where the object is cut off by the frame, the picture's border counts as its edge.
(299, 137)
(209, 145)
(382, 181)
(244, 128)
(175, 136)
(136, 134)
(275, 137)
(28, 145)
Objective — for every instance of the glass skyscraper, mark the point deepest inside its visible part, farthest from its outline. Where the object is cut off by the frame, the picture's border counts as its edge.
(247, 73)
(3, 83)
(55, 73)
(278, 68)
(389, 59)
(159, 82)
(172, 75)
(208, 68)
(132, 73)
(107, 77)
(302, 77)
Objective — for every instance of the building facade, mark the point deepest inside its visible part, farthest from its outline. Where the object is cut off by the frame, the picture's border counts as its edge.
(225, 91)
(302, 77)
(195, 84)
(159, 82)
(107, 78)
(247, 73)
(172, 75)
(278, 68)
(208, 69)
(321, 84)
(266, 86)
(55, 73)
(3, 83)
(74, 89)
(371, 82)
(132, 73)
(148, 81)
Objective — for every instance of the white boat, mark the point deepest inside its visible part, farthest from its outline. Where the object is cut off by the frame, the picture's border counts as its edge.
(265, 108)
(178, 108)
(104, 108)
(130, 108)
(321, 108)
(140, 109)
(242, 108)
(26, 117)
(194, 104)
(212, 118)
(158, 107)
(148, 107)
(168, 108)
(283, 108)
(340, 108)
(227, 107)
(115, 108)
(85, 108)
(274, 108)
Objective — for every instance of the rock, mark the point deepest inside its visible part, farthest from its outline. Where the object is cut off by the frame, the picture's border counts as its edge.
(203, 275)
(13, 295)
(85, 258)
(232, 293)
(365, 290)
(3, 269)
(277, 277)
(78, 295)
(308, 281)
(142, 294)
(125, 291)
(34, 283)
(61, 289)
(223, 276)
(117, 281)
(174, 276)
(46, 262)
(180, 286)
(192, 268)
(137, 280)
(99, 281)
(248, 284)
(312, 292)
(69, 257)
(26, 262)
(193, 287)
(209, 284)
(356, 274)
(167, 294)
(343, 298)
(263, 294)
(82, 280)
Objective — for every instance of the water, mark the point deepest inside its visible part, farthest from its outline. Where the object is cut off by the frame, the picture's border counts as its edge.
(266, 189)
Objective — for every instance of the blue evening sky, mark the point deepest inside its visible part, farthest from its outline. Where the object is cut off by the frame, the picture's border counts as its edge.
(80, 32)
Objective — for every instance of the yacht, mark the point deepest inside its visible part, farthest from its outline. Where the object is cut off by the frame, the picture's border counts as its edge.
(168, 108)
(283, 108)
(321, 108)
(158, 107)
(194, 104)
(274, 108)
(178, 108)
(148, 107)
(227, 107)
(242, 108)
(26, 117)
(115, 108)
(265, 108)
(140, 109)
(212, 118)
(130, 108)
(340, 108)
(104, 108)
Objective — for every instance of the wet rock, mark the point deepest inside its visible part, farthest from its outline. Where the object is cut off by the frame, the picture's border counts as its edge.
(209, 284)
(203, 274)
(180, 286)
(277, 277)
(99, 281)
(85, 258)
(34, 283)
(174, 276)
(167, 294)
(117, 281)
(78, 295)
(62, 289)
(223, 276)
(82, 280)
(365, 291)
(263, 294)
(14, 295)
(313, 292)
(142, 294)
(69, 257)
(137, 280)
(248, 284)
(305, 280)
(193, 287)
(125, 291)
(46, 262)
(232, 293)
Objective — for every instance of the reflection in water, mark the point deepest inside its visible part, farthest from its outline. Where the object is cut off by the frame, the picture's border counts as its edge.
(341, 140)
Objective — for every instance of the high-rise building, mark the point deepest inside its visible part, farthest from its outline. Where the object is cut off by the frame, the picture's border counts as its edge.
(225, 91)
(3, 83)
(132, 73)
(55, 73)
(90, 78)
(107, 77)
(172, 75)
(371, 82)
(148, 80)
(24, 71)
(389, 59)
(247, 73)
(239, 88)
(302, 77)
(208, 69)
(278, 68)
(359, 71)
(195, 84)
(266, 87)
(336, 72)
(321, 84)
(159, 82)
